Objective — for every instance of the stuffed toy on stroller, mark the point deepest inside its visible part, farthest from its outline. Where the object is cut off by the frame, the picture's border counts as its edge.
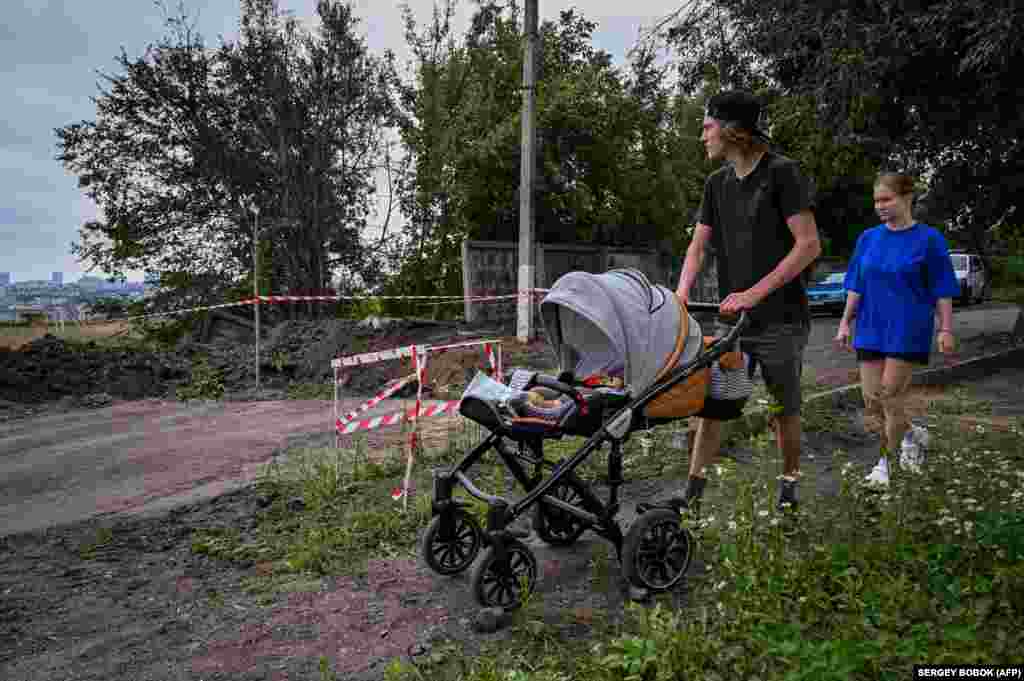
(630, 356)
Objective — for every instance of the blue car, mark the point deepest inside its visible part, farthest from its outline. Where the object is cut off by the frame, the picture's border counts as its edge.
(828, 294)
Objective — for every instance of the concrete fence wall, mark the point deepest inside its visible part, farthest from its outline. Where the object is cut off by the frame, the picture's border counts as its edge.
(490, 268)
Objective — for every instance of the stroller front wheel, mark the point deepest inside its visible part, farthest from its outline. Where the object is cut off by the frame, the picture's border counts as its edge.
(451, 544)
(657, 550)
(505, 583)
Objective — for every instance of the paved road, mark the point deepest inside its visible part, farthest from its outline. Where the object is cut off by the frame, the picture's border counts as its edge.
(147, 456)
(974, 328)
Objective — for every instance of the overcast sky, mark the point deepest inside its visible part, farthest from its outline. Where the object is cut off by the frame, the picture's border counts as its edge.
(50, 51)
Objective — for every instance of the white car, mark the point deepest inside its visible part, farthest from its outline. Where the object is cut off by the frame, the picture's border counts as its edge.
(973, 277)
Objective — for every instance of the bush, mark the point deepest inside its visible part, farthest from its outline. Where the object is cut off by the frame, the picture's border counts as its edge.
(206, 383)
(1007, 272)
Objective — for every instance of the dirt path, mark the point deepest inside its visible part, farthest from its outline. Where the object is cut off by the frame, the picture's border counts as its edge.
(147, 456)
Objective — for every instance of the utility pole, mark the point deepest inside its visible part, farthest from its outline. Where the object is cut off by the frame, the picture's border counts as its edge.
(256, 283)
(528, 155)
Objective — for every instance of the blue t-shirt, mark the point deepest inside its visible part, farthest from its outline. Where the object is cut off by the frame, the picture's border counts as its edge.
(900, 276)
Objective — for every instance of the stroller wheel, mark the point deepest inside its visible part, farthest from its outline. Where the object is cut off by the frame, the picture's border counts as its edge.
(553, 525)
(505, 583)
(657, 550)
(449, 548)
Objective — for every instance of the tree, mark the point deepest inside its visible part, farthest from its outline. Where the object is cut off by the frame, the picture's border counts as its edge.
(616, 164)
(186, 139)
(928, 87)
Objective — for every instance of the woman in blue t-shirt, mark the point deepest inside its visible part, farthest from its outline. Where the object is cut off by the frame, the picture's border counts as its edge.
(899, 275)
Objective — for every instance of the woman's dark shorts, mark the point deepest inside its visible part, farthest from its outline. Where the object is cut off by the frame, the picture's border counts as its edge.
(875, 356)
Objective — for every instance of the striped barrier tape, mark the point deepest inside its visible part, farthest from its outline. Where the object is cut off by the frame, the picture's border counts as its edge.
(399, 353)
(298, 299)
(395, 418)
(161, 314)
(494, 359)
(377, 399)
(425, 299)
(419, 363)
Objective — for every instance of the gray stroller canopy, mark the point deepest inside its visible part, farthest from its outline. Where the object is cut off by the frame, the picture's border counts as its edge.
(616, 323)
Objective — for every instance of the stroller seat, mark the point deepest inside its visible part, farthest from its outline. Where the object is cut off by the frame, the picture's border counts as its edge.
(533, 410)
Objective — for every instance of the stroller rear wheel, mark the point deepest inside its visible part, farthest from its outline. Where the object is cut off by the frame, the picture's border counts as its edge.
(505, 583)
(450, 547)
(657, 550)
(555, 526)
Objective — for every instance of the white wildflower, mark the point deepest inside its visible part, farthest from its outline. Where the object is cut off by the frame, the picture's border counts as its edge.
(762, 513)
(732, 525)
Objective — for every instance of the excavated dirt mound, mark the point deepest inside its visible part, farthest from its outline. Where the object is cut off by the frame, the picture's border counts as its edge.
(49, 369)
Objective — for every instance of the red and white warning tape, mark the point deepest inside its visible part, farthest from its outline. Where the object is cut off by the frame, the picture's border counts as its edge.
(426, 299)
(378, 398)
(398, 353)
(298, 299)
(419, 354)
(396, 418)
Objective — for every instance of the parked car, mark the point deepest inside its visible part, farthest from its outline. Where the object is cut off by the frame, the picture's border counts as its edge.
(828, 294)
(972, 275)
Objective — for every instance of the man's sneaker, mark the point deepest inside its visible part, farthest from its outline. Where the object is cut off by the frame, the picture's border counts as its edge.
(689, 499)
(787, 494)
(879, 475)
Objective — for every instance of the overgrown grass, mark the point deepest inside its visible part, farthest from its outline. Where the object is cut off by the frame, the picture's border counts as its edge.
(861, 585)
(328, 511)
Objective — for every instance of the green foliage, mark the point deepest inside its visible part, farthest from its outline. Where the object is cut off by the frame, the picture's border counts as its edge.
(205, 383)
(187, 140)
(619, 162)
(943, 102)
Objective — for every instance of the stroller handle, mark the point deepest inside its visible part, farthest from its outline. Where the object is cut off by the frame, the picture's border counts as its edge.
(741, 323)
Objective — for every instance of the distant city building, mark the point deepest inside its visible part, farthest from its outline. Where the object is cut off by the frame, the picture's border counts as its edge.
(57, 278)
(5, 278)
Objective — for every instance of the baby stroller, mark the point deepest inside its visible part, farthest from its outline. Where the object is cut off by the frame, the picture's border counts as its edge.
(630, 357)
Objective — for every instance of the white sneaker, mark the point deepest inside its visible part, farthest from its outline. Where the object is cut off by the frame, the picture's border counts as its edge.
(912, 449)
(911, 458)
(879, 475)
(920, 435)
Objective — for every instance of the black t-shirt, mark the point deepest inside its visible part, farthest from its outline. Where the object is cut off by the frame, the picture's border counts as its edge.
(750, 236)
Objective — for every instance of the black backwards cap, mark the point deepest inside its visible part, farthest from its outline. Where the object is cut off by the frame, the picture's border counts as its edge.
(738, 108)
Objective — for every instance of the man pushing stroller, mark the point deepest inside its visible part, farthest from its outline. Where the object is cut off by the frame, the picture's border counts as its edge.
(756, 213)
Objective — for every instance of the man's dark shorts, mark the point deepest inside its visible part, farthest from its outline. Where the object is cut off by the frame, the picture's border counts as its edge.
(778, 351)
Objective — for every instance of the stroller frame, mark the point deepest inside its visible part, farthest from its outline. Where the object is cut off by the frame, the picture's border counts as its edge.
(566, 506)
